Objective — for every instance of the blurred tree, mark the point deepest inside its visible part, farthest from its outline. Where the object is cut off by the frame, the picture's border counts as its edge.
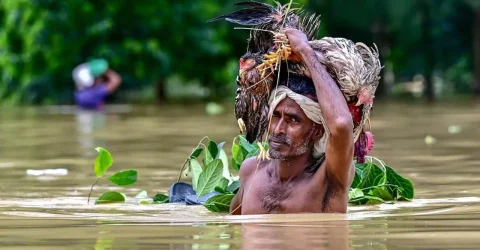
(476, 43)
(149, 41)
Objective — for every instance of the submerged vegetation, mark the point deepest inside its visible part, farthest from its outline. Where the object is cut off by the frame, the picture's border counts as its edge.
(209, 169)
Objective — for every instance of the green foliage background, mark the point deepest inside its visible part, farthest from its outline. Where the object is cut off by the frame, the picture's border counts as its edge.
(152, 41)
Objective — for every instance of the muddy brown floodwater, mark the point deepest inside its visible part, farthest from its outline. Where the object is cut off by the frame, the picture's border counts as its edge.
(49, 210)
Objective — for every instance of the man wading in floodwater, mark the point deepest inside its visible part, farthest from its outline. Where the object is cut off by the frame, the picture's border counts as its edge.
(307, 173)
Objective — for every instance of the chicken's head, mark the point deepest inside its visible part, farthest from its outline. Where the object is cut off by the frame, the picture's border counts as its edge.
(365, 96)
(249, 61)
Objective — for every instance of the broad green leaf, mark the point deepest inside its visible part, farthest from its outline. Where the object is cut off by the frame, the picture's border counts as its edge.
(196, 152)
(223, 157)
(223, 183)
(207, 158)
(232, 188)
(196, 171)
(160, 198)
(373, 200)
(220, 190)
(111, 197)
(124, 178)
(235, 165)
(355, 193)
(209, 178)
(237, 157)
(371, 176)
(405, 186)
(219, 203)
(359, 167)
(245, 144)
(252, 153)
(103, 162)
(142, 195)
(212, 149)
(381, 193)
(366, 199)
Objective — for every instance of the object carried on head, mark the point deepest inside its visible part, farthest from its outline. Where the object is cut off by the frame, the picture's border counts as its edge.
(354, 66)
(85, 73)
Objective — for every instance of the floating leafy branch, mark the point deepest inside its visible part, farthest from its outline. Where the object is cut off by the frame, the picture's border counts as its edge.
(124, 178)
(373, 182)
(102, 163)
(111, 197)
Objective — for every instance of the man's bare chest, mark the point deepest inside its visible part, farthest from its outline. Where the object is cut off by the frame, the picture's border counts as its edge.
(266, 196)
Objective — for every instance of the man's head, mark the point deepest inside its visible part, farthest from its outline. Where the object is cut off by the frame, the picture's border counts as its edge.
(292, 132)
(90, 74)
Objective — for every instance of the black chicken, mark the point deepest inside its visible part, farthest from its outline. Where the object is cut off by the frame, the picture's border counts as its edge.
(251, 108)
(256, 78)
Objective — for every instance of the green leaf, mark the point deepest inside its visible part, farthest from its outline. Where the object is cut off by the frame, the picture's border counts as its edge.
(207, 157)
(212, 149)
(223, 157)
(124, 178)
(245, 144)
(220, 190)
(111, 197)
(366, 199)
(196, 152)
(371, 176)
(373, 200)
(219, 203)
(103, 162)
(252, 153)
(359, 167)
(233, 188)
(160, 198)
(209, 178)
(237, 157)
(142, 195)
(223, 183)
(381, 193)
(405, 186)
(355, 193)
(196, 171)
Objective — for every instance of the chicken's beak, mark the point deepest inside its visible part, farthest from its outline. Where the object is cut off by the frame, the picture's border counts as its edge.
(358, 103)
(240, 72)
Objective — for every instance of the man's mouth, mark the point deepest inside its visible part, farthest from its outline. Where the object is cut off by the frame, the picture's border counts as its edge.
(276, 144)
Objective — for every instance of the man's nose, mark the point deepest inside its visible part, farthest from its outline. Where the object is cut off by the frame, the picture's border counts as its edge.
(279, 127)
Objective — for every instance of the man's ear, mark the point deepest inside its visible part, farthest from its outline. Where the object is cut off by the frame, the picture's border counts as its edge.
(318, 132)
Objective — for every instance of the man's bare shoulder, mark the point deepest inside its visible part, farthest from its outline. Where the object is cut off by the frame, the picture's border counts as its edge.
(248, 167)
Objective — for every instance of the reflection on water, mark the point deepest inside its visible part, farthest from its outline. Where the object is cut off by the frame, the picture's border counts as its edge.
(49, 211)
(89, 122)
(320, 235)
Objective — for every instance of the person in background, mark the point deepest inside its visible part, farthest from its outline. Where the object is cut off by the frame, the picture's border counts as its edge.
(94, 81)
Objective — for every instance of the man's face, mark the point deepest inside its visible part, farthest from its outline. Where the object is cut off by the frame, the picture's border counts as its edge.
(292, 133)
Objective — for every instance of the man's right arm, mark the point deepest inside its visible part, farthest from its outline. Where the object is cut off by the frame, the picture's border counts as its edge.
(114, 80)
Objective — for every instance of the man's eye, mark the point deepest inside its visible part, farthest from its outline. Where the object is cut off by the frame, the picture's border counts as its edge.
(293, 119)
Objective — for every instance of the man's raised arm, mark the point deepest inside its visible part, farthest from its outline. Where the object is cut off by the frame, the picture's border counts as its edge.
(339, 149)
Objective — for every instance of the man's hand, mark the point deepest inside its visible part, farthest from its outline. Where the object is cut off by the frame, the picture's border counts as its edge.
(114, 80)
(297, 39)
